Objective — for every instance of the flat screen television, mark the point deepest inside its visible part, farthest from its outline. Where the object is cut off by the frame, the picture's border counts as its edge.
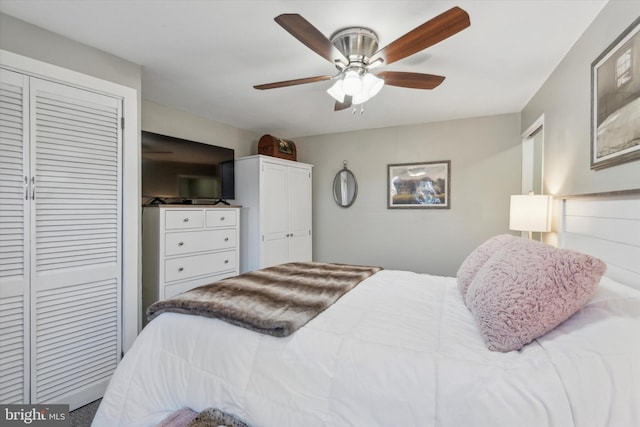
(176, 170)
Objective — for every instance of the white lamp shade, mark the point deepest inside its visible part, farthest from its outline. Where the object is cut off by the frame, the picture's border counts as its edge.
(371, 85)
(336, 91)
(351, 83)
(530, 213)
(359, 98)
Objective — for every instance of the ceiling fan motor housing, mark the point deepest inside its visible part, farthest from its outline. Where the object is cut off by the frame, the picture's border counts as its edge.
(357, 44)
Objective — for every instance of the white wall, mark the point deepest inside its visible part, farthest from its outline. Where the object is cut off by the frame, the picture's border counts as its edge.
(565, 100)
(485, 170)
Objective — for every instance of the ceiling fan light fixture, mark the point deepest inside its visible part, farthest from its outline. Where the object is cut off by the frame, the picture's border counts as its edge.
(371, 84)
(352, 83)
(336, 91)
(367, 86)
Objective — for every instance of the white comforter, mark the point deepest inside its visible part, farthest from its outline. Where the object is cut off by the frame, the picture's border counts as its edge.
(400, 350)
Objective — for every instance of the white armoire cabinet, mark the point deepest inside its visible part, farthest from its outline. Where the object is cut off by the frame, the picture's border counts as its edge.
(276, 198)
(60, 240)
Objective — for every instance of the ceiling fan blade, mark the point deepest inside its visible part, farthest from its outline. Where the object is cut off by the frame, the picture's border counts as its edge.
(292, 82)
(431, 32)
(339, 106)
(309, 35)
(410, 80)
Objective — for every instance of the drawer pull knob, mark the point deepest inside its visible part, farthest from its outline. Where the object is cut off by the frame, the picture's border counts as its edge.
(180, 243)
(221, 218)
(226, 261)
(226, 239)
(185, 220)
(180, 269)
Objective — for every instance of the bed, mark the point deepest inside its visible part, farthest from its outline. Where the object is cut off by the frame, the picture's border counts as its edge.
(406, 349)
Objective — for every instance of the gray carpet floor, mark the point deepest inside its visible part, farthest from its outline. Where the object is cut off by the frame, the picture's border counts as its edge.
(83, 416)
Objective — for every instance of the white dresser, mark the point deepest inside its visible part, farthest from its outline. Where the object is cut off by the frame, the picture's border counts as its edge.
(186, 246)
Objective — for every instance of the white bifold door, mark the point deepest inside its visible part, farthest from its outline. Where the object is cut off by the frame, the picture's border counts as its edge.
(60, 240)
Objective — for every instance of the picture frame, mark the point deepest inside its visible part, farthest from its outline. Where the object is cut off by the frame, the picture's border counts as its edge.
(615, 101)
(421, 185)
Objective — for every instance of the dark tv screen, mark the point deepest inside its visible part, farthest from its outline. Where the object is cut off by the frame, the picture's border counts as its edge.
(179, 169)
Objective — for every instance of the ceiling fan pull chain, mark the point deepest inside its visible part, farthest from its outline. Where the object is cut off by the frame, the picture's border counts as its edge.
(354, 109)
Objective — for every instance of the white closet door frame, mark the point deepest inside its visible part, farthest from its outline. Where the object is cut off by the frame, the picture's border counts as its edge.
(131, 292)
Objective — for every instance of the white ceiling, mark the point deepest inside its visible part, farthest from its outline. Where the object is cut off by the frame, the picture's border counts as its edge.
(204, 57)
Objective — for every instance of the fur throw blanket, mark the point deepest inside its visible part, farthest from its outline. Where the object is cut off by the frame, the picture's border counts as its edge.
(275, 300)
(210, 417)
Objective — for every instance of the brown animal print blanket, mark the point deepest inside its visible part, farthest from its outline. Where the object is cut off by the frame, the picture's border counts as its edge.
(275, 301)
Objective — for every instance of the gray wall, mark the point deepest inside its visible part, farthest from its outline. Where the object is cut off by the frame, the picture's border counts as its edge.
(485, 154)
(29, 40)
(34, 42)
(485, 169)
(164, 120)
(565, 100)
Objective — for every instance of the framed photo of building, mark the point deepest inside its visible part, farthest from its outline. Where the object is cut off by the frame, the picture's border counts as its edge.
(615, 101)
(419, 185)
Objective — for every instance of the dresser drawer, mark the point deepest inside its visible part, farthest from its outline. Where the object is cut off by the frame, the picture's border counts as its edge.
(198, 241)
(221, 218)
(171, 291)
(185, 218)
(198, 265)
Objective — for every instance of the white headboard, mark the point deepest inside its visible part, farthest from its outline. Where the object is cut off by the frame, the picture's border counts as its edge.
(605, 225)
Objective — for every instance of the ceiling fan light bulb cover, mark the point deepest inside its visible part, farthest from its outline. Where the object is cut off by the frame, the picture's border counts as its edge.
(359, 98)
(371, 84)
(351, 83)
(336, 91)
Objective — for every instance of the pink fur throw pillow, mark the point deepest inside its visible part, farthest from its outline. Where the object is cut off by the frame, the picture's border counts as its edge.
(476, 259)
(528, 288)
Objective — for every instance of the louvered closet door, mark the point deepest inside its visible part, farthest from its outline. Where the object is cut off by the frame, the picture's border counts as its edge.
(76, 235)
(14, 243)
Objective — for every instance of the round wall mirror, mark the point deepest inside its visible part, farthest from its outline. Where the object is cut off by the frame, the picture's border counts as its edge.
(345, 187)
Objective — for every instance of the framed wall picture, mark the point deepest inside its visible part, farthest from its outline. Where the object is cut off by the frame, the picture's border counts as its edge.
(615, 101)
(425, 185)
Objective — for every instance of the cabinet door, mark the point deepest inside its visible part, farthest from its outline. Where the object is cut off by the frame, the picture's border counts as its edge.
(14, 241)
(274, 217)
(76, 242)
(300, 201)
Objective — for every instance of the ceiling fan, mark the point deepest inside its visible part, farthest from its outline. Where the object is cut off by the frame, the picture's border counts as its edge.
(354, 52)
